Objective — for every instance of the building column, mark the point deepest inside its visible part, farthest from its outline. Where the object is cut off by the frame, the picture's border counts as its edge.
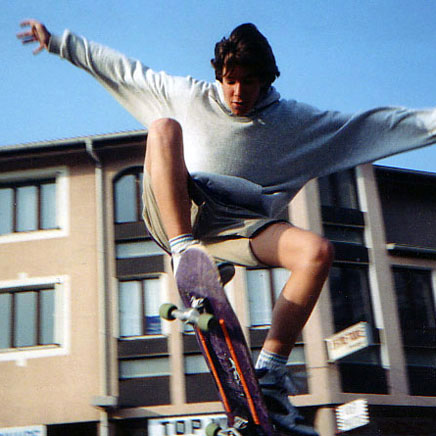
(324, 380)
(381, 282)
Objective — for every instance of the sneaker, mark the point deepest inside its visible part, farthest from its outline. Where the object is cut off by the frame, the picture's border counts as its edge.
(226, 270)
(276, 385)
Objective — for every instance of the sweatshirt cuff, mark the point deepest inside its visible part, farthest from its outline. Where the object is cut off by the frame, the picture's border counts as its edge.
(54, 45)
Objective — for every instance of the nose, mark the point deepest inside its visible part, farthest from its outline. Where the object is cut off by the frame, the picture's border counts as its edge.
(237, 89)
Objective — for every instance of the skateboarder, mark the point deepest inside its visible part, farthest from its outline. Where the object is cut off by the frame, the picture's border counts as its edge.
(224, 159)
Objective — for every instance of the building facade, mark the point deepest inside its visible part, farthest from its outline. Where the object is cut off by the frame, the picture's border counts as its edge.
(82, 347)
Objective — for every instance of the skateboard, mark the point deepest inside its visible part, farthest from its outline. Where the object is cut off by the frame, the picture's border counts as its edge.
(222, 343)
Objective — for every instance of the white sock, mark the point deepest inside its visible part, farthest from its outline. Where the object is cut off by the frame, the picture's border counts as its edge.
(268, 360)
(181, 243)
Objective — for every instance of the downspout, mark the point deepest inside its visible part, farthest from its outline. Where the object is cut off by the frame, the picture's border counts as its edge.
(106, 397)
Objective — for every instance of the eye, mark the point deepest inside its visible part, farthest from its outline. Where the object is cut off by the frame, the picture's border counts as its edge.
(250, 81)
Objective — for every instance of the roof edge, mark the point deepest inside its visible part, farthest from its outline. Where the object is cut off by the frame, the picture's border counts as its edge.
(70, 142)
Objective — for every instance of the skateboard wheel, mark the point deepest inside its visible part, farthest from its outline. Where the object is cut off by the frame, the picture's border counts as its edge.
(212, 429)
(206, 322)
(165, 311)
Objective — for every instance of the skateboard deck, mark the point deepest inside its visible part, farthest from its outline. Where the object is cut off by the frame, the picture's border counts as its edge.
(223, 344)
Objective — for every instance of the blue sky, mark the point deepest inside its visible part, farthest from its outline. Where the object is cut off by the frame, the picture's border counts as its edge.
(346, 55)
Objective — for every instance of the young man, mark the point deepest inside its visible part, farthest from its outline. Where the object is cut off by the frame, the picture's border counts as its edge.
(224, 159)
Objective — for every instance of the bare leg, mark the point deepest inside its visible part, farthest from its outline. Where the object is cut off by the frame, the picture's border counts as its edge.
(309, 257)
(165, 164)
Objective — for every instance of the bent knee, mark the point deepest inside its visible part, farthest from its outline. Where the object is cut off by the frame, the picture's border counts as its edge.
(164, 141)
(316, 253)
(164, 127)
(164, 124)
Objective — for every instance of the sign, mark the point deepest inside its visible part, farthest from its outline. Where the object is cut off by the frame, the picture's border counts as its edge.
(186, 425)
(352, 415)
(348, 341)
(34, 430)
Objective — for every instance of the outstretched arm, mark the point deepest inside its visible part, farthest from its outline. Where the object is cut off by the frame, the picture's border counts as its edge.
(147, 95)
(36, 33)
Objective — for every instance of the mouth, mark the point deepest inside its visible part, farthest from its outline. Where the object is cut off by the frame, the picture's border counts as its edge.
(239, 104)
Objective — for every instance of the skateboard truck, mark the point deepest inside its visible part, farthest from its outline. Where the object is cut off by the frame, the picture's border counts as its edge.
(238, 428)
(194, 315)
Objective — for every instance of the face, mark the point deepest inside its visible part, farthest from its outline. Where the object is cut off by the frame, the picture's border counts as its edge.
(241, 89)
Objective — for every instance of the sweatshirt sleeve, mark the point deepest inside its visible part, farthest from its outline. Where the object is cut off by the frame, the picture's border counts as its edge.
(338, 141)
(146, 94)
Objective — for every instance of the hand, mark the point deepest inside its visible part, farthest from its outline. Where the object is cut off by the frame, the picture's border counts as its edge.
(37, 33)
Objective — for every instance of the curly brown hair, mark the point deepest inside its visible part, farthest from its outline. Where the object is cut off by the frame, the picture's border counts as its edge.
(247, 47)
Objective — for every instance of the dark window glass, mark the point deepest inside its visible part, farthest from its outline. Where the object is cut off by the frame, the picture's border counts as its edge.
(339, 190)
(360, 372)
(416, 308)
(27, 317)
(128, 196)
(28, 206)
(350, 295)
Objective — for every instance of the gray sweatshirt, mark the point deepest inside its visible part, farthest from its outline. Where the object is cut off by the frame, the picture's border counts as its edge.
(259, 161)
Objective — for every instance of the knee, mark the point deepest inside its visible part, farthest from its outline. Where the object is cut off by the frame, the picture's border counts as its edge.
(164, 138)
(164, 131)
(165, 126)
(317, 254)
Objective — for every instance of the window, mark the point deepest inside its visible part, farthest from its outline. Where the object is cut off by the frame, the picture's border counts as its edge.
(417, 314)
(339, 190)
(351, 301)
(141, 248)
(28, 206)
(137, 255)
(128, 195)
(34, 316)
(264, 287)
(349, 290)
(139, 302)
(27, 317)
(32, 202)
(141, 368)
(342, 219)
(409, 208)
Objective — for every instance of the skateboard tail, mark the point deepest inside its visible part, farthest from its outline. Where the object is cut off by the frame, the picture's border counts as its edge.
(239, 370)
(247, 392)
(214, 371)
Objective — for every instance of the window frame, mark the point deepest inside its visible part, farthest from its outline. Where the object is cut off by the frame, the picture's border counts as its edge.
(37, 309)
(142, 306)
(137, 172)
(61, 318)
(37, 178)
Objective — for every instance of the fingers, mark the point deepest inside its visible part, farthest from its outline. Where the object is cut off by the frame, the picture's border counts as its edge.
(29, 35)
(36, 33)
(28, 22)
(26, 37)
(39, 49)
